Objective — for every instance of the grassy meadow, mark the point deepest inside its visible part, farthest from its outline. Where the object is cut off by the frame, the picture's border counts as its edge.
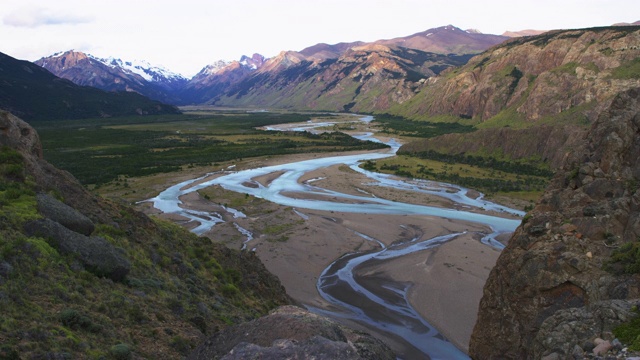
(104, 151)
(131, 157)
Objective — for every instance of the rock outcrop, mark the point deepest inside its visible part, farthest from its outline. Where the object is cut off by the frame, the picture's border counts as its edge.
(549, 289)
(64, 214)
(290, 332)
(532, 98)
(19, 135)
(535, 77)
(95, 253)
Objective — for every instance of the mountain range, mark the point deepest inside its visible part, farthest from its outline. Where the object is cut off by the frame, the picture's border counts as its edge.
(33, 93)
(419, 55)
(114, 74)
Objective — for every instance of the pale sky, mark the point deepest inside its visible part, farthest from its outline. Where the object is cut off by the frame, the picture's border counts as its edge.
(186, 35)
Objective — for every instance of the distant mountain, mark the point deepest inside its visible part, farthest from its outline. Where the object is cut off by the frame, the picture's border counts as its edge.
(33, 93)
(116, 75)
(215, 78)
(441, 40)
(356, 76)
(324, 51)
(535, 76)
(627, 24)
(366, 78)
(447, 40)
(223, 79)
(519, 33)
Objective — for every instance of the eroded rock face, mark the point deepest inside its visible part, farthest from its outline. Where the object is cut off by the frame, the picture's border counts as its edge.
(538, 76)
(290, 332)
(554, 260)
(17, 134)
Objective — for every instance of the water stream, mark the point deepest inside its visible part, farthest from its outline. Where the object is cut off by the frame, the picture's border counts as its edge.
(392, 312)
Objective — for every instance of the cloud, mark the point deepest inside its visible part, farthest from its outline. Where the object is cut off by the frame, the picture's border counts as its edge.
(32, 18)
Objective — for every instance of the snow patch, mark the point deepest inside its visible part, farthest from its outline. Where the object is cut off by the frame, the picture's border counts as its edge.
(142, 68)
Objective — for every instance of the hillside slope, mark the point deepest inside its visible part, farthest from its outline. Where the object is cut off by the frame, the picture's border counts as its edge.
(33, 93)
(531, 98)
(364, 78)
(528, 79)
(83, 277)
(570, 272)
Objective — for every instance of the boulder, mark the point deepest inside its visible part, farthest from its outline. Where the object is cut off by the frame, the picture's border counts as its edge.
(316, 347)
(64, 214)
(290, 332)
(95, 253)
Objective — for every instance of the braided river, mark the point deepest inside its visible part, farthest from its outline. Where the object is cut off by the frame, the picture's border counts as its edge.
(381, 306)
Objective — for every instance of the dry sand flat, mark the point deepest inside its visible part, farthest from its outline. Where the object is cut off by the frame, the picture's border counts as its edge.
(447, 283)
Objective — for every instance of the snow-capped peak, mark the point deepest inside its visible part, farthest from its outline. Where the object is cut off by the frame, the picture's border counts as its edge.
(142, 68)
(245, 62)
(215, 67)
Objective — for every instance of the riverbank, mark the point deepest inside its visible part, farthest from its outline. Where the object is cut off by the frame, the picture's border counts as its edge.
(298, 244)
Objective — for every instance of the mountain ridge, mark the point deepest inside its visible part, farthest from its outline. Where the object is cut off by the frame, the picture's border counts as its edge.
(34, 93)
(214, 79)
(112, 74)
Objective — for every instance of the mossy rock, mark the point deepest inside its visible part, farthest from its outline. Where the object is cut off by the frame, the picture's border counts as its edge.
(96, 254)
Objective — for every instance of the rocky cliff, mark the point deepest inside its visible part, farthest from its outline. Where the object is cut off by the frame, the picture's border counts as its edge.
(531, 98)
(528, 79)
(567, 275)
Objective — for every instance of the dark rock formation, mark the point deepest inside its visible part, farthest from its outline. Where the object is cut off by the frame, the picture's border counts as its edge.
(572, 327)
(95, 253)
(552, 272)
(19, 135)
(291, 332)
(64, 214)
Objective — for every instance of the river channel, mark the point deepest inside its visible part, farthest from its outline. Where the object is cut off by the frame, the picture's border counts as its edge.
(381, 306)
